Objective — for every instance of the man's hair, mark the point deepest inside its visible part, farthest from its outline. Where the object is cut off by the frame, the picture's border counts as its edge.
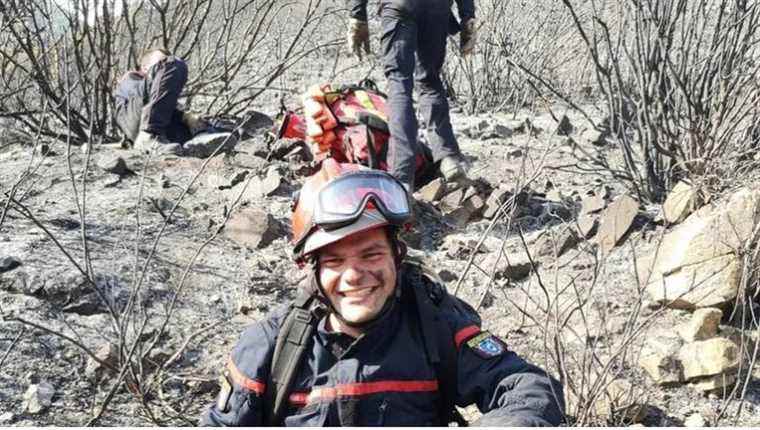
(149, 52)
(311, 285)
(398, 246)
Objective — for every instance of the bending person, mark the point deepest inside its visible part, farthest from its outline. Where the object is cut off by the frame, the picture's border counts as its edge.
(146, 104)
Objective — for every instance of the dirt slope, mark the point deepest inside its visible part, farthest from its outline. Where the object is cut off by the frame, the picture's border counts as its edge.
(229, 285)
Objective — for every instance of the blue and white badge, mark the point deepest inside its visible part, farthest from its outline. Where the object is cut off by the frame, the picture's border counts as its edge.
(487, 345)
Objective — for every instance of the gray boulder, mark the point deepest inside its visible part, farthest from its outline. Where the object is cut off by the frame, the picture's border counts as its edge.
(253, 228)
(615, 222)
(9, 263)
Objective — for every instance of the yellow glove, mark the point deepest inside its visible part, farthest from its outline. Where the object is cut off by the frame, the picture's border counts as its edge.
(468, 37)
(195, 123)
(358, 37)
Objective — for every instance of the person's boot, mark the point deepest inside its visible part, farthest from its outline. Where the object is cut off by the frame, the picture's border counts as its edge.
(454, 169)
(205, 144)
(149, 142)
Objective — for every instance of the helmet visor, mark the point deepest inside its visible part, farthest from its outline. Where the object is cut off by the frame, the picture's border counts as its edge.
(343, 200)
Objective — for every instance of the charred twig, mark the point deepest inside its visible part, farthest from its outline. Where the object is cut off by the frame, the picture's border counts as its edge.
(60, 335)
(10, 347)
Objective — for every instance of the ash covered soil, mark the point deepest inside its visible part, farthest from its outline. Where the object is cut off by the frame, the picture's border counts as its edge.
(183, 293)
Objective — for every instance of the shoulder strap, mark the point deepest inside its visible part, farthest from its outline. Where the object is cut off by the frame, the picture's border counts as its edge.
(439, 345)
(364, 84)
(292, 342)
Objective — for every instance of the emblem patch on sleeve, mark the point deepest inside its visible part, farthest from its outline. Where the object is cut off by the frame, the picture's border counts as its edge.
(487, 345)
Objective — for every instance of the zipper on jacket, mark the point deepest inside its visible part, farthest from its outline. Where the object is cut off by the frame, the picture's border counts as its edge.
(382, 409)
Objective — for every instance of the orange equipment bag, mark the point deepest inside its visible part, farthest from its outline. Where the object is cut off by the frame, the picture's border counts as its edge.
(349, 124)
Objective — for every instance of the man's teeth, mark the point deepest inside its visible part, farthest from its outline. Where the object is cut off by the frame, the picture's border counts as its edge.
(364, 292)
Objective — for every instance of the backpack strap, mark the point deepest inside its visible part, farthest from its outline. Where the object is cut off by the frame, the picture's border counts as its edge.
(373, 162)
(372, 121)
(365, 85)
(369, 84)
(439, 344)
(292, 342)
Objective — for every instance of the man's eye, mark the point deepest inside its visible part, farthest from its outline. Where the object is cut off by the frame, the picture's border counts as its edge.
(332, 262)
(373, 255)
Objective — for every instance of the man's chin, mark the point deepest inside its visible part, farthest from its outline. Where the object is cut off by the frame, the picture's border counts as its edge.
(359, 312)
(358, 316)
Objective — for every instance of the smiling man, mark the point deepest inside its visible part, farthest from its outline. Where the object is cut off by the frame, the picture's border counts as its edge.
(373, 340)
(357, 295)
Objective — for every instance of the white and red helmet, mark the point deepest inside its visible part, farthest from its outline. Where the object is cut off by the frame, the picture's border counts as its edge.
(342, 199)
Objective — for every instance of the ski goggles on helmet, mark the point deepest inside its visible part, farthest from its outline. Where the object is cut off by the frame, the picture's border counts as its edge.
(343, 200)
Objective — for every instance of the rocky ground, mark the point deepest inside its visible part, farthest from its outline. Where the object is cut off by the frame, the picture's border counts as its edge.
(547, 246)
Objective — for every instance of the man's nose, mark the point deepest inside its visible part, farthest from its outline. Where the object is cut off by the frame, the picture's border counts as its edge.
(354, 273)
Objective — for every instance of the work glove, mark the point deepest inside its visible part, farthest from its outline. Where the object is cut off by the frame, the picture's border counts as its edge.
(468, 36)
(358, 37)
(195, 123)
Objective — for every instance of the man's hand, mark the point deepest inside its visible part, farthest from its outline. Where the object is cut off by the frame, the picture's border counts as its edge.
(468, 37)
(358, 37)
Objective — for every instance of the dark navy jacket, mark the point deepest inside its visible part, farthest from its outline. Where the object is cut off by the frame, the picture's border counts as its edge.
(383, 378)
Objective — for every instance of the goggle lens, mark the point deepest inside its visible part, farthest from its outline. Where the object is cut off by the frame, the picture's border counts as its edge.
(346, 198)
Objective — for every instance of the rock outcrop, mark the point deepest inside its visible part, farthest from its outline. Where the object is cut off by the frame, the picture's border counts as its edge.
(703, 325)
(695, 265)
(706, 365)
(616, 220)
(708, 358)
(680, 203)
(659, 358)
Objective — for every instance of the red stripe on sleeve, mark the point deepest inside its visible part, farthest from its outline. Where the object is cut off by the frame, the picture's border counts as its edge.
(298, 399)
(365, 388)
(465, 333)
(242, 380)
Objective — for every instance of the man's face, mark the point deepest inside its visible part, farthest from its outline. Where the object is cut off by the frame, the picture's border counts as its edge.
(358, 274)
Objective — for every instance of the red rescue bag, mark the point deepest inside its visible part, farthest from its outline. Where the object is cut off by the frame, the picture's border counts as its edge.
(349, 124)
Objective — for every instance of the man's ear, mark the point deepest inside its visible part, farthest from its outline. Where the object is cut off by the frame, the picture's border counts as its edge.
(400, 250)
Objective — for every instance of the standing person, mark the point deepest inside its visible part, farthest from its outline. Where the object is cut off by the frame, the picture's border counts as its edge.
(414, 37)
(146, 104)
(369, 326)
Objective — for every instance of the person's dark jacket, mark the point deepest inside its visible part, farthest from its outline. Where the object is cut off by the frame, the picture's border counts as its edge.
(383, 378)
(465, 8)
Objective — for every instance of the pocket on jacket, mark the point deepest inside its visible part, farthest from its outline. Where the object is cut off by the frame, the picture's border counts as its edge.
(313, 415)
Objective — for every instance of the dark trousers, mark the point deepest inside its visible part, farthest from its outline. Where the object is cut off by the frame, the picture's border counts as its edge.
(150, 104)
(414, 48)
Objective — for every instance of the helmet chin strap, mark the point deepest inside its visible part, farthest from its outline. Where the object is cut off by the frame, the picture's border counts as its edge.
(399, 252)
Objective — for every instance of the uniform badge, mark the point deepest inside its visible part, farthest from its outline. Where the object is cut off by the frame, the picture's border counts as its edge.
(487, 345)
(225, 391)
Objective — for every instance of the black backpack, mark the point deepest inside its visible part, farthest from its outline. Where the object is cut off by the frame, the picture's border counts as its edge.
(296, 331)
